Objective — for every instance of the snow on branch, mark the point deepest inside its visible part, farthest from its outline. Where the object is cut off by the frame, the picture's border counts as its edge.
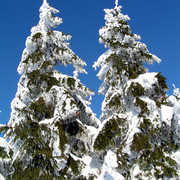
(176, 91)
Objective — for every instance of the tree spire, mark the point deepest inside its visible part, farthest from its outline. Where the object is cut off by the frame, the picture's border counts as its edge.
(116, 3)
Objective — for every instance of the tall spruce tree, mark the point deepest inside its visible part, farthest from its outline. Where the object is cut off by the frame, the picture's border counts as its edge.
(139, 123)
(50, 116)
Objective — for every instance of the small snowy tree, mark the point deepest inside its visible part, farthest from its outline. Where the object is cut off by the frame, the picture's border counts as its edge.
(136, 119)
(50, 114)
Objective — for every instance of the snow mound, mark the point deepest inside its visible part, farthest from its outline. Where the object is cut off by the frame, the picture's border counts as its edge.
(4, 144)
(109, 171)
(1, 177)
(166, 114)
(146, 80)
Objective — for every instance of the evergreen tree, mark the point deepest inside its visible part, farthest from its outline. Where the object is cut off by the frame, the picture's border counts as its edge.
(50, 116)
(138, 124)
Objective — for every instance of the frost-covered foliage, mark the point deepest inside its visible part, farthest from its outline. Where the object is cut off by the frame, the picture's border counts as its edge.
(5, 158)
(50, 118)
(46, 48)
(125, 57)
(139, 124)
(176, 92)
(52, 132)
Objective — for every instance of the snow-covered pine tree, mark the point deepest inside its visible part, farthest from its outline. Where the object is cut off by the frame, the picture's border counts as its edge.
(50, 116)
(138, 128)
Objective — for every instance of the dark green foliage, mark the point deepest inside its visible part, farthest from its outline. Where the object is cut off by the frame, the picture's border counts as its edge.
(62, 136)
(81, 129)
(74, 166)
(19, 132)
(50, 32)
(168, 143)
(3, 153)
(38, 172)
(145, 126)
(67, 130)
(114, 57)
(62, 50)
(123, 28)
(36, 139)
(131, 73)
(32, 129)
(41, 110)
(161, 81)
(3, 129)
(106, 137)
(80, 85)
(124, 45)
(124, 163)
(159, 94)
(35, 57)
(163, 135)
(115, 44)
(153, 146)
(92, 177)
(73, 103)
(147, 55)
(158, 104)
(140, 142)
(33, 75)
(154, 158)
(51, 81)
(82, 178)
(36, 78)
(138, 176)
(63, 106)
(36, 36)
(115, 101)
(142, 104)
(45, 64)
(71, 82)
(131, 70)
(136, 89)
(63, 80)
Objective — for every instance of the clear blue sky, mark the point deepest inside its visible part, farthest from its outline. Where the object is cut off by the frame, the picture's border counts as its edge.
(156, 21)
